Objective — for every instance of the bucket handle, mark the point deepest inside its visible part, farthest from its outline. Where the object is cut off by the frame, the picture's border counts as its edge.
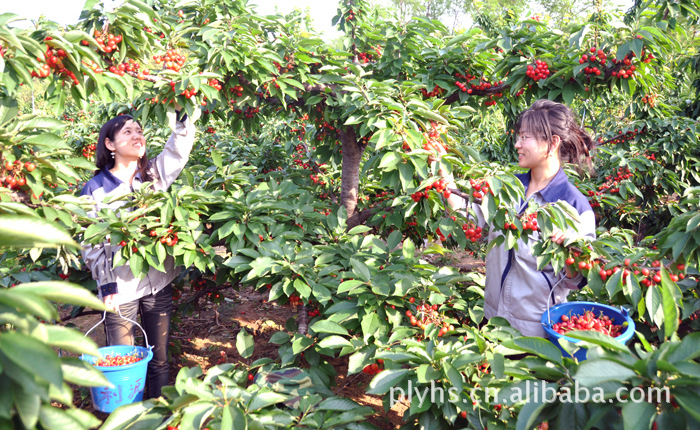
(549, 299)
(104, 315)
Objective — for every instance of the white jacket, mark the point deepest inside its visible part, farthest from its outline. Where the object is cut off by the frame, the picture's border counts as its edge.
(515, 289)
(164, 169)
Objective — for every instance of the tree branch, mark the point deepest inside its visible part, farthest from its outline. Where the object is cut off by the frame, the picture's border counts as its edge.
(487, 92)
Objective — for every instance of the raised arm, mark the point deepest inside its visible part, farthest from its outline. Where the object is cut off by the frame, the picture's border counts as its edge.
(169, 163)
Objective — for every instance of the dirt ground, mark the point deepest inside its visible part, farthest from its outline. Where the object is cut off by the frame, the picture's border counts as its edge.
(207, 337)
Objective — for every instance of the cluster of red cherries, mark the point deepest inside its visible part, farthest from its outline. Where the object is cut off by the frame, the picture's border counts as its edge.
(439, 186)
(436, 92)
(119, 360)
(539, 71)
(472, 232)
(374, 368)
(172, 60)
(588, 321)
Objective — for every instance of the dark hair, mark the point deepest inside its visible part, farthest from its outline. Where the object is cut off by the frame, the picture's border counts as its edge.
(545, 119)
(103, 156)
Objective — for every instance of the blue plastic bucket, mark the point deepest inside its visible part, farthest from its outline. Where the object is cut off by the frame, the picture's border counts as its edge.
(128, 381)
(554, 314)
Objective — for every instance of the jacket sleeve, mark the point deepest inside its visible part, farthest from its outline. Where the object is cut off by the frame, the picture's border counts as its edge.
(169, 163)
(98, 259)
(587, 229)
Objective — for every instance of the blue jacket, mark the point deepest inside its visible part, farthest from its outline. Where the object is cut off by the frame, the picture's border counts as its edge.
(515, 289)
(164, 168)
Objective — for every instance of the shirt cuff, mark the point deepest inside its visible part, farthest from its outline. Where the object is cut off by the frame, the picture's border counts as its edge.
(108, 289)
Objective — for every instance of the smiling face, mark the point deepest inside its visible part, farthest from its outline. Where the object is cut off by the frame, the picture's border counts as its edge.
(129, 144)
(531, 152)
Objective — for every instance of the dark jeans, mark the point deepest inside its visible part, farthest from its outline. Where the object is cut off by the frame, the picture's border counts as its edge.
(155, 311)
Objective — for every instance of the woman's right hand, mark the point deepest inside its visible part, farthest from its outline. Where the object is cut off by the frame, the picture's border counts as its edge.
(110, 302)
(440, 153)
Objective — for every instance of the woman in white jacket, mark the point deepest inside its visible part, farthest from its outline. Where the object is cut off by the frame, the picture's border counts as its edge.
(548, 135)
(122, 167)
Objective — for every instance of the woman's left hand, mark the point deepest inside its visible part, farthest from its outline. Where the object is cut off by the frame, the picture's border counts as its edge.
(558, 236)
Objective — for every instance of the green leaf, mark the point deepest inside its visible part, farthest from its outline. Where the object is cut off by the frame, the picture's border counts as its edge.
(216, 159)
(265, 399)
(56, 418)
(385, 380)
(245, 343)
(136, 263)
(568, 94)
(536, 345)
(360, 269)
(301, 343)
(689, 349)
(654, 305)
(426, 373)
(406, 172)
(47, 141)
(337, 404)
(430, 116)
(370, 325)
(233, 418)
(27, 406)
(280, 338)
(408, 250)
(28, 303)
(453, 376)
(359, 229)
(302, 288)
(670, 305)
(637, 415)
(22, 232)
(598, 339)
(346, 286)
(529, 413)
(62, 292)
(389, 161)
(70, 340)
(80, 372)
(334, 342)
(124, 416)
(293, 83)
(497, 364)
(8, 107)
(592, 372)
(32, 355)
(325, 326)
(688, 400)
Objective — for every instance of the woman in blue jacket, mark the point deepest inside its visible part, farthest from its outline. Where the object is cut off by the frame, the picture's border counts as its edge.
(548, 135)
(122, 167)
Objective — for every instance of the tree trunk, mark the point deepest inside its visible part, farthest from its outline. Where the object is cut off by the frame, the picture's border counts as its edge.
(350, 178)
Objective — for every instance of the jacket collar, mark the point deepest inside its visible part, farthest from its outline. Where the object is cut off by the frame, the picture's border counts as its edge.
(109, 181)
(554, 190)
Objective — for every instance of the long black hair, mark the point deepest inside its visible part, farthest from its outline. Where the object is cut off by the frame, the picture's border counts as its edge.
(103, 156)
